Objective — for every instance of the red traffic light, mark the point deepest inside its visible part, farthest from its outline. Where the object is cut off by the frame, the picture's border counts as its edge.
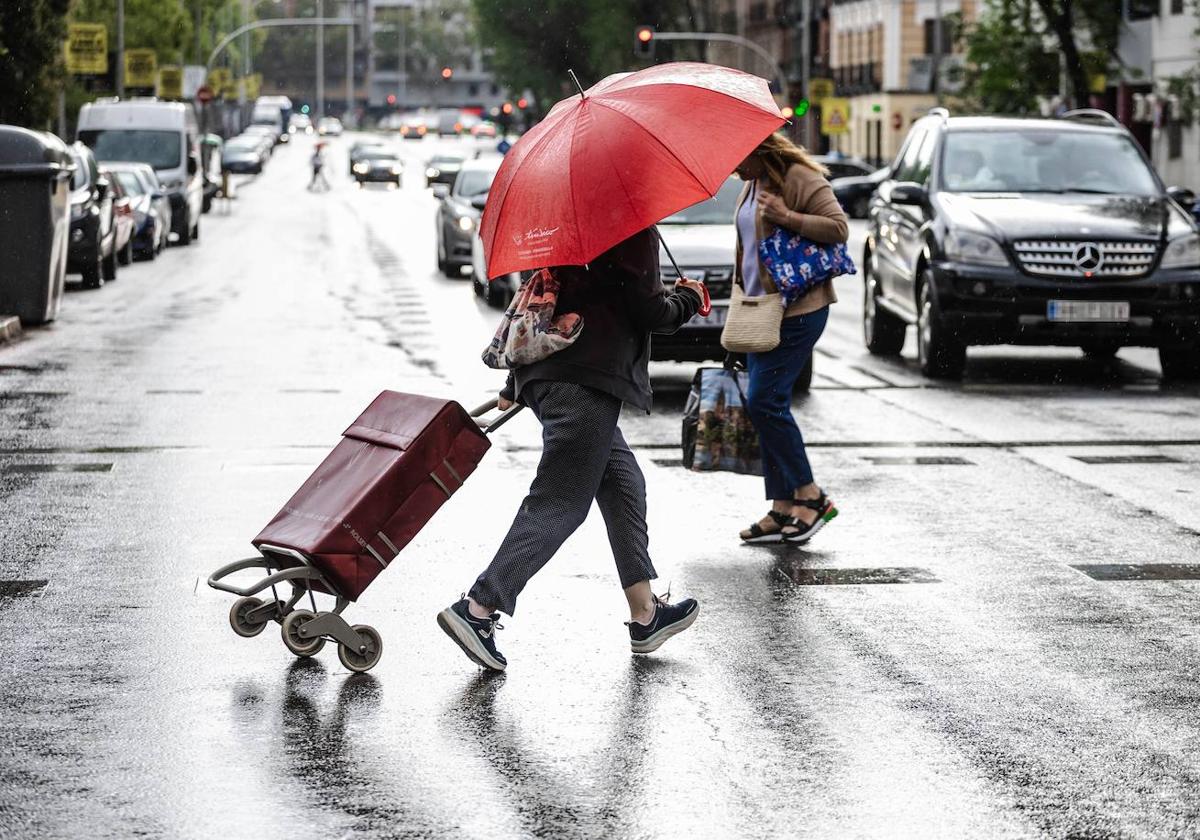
(645, 34)
(391, 100)
(522, 103)
(447, 72)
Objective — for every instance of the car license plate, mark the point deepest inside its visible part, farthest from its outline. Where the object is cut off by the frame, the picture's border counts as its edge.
(716, 318)
(1074, 311)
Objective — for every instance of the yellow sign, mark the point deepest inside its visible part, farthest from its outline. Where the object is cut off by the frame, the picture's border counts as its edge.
(220, 80)
(86, 48)
(170, 82)
(819, 90)
(141, 68)
(835, 116)
(253, 85)
(1097, 83)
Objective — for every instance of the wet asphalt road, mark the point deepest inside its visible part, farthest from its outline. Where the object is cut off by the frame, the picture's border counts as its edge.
(971, 649)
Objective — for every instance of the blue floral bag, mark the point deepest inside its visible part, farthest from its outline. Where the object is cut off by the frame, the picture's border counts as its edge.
(798, 265)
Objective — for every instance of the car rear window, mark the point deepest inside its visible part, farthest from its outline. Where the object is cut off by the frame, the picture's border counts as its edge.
(1044, 161)
(718, 210)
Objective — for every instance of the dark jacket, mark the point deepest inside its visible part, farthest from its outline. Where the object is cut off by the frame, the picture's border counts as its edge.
(622, 300)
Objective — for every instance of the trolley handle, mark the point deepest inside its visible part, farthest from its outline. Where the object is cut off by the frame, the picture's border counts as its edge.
(504, 417)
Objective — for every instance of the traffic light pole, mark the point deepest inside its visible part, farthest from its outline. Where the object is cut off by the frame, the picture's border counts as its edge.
(776, 71)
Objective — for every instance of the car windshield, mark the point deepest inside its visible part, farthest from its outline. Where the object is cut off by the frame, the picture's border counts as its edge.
(718, 210)
(473, 182)
(160, 149)
(130, 182)
(379, 156)
(1044, 161)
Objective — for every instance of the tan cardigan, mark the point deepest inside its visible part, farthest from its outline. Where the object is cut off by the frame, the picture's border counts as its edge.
(819, 217)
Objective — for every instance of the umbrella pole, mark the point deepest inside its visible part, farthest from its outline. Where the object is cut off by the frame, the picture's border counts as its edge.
(705, 306)
(575, 79)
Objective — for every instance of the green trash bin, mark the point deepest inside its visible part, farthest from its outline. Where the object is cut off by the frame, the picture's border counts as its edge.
(35, 222)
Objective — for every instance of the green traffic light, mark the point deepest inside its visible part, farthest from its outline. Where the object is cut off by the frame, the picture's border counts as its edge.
(875, 109)
(303, 109)
(801, 107)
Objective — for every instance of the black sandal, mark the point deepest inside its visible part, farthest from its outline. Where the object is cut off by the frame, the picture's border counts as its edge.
(758, 536)
(826, 511)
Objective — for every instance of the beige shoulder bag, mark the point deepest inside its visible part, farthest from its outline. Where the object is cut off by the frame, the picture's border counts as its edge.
(753, 323)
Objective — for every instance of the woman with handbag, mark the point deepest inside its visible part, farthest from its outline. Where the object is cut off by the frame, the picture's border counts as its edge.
(577, 392)
(786, 191)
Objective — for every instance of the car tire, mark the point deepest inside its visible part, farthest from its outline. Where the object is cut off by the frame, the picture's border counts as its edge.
(93, 276)
(1180, 363)
(126, 255)
(861, 208)
(883, 332)
(185, 232)
(196, 231)
(441, 252)
(108, 266)
(941, 355)
(1100, 350)
(495, 295)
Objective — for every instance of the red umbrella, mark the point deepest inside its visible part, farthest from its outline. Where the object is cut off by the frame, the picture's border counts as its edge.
(615, 159)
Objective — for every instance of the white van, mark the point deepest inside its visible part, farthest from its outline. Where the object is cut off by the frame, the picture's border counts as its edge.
(275, 111)
(162, 134)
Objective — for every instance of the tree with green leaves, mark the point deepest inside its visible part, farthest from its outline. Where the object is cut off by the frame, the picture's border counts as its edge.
(31, 43)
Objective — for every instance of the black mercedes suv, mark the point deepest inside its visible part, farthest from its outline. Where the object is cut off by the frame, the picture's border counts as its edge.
(995, 230)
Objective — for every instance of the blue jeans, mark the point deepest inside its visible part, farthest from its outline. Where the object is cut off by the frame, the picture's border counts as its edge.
(769, 403)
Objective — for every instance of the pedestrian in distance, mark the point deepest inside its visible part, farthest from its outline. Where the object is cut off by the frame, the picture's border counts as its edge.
(786, 189)
(577, 394)
(318, 168)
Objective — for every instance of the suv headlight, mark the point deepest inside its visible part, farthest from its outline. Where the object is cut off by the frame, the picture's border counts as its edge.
(466, 223)
(1182, 252)
(361, 168)
(976, 248)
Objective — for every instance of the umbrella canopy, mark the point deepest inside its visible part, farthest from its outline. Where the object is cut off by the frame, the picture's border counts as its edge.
(631, 150)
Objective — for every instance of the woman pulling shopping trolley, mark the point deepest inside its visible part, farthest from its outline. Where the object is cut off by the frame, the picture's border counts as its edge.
(790, 244)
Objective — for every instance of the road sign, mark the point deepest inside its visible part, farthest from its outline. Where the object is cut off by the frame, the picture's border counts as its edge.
(220, 80)
(819, 90)
(503, 146)
(141, 68)
(204, 94)
(170, 81)
(86, 48)
(253, 85)
(835, 116)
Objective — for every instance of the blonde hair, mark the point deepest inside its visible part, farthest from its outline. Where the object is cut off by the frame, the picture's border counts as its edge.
(778, 154)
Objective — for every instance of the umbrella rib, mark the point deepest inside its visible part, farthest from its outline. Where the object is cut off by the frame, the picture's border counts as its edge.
(665, 147)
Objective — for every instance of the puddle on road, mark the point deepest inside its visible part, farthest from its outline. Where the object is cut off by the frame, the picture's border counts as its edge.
(21, 588)
(802, 576)
(1139, 571)
(1127, 459)
(57, 468)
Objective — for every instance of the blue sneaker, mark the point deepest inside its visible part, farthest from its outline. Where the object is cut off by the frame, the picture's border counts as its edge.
(668, 620)
(476, 636)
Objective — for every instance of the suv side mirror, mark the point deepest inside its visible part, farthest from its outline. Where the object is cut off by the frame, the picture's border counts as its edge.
(907, 192)
(440, 191)
(101, 189)
(1182, 196)
(479, 201)
(193, 165)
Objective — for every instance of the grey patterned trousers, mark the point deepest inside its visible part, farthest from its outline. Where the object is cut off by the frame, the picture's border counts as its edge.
(584, 457)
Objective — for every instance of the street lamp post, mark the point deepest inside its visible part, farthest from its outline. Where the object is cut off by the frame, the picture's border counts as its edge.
(121, 48)
(349, 61)
(320, 59)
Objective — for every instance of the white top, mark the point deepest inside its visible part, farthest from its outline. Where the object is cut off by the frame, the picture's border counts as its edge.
(748, 233)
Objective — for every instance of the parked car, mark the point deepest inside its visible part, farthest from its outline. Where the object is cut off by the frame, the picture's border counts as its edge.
(329, 127)
(266, 135)
(243, 155)
(151, 207)
(1030, 231)
(275, 111)
(854, 192)
(413, 127)
(122, 217)
(361, 149)
(162, 134)
(300, 124)
(443, 169)
(459, 212)
(703, 240)
(379, 164)
(92, 251)
(840, 166)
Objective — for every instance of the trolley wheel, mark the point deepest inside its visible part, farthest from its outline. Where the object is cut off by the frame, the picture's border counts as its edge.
(292, 639)
(368, 659)
(238, 620)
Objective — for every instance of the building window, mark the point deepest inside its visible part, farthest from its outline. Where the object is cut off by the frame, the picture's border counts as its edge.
(1174, 139)
(473, 89)
(947, 44)
(758, 12)
(1176, 7)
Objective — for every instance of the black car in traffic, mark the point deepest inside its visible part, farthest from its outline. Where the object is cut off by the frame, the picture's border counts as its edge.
(92, 251)
(996, 230)
(854, 192)
(379, 165)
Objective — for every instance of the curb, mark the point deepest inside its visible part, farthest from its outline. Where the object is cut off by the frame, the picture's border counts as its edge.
(10, 328)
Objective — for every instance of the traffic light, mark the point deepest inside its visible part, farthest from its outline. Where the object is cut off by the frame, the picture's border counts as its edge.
(643, 42)
(801, 108)
(303, 109)
(447, 72)
(391, 100)
(522, 103)
(506, 108)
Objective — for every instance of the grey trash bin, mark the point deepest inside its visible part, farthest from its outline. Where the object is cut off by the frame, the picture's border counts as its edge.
(35, 222)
